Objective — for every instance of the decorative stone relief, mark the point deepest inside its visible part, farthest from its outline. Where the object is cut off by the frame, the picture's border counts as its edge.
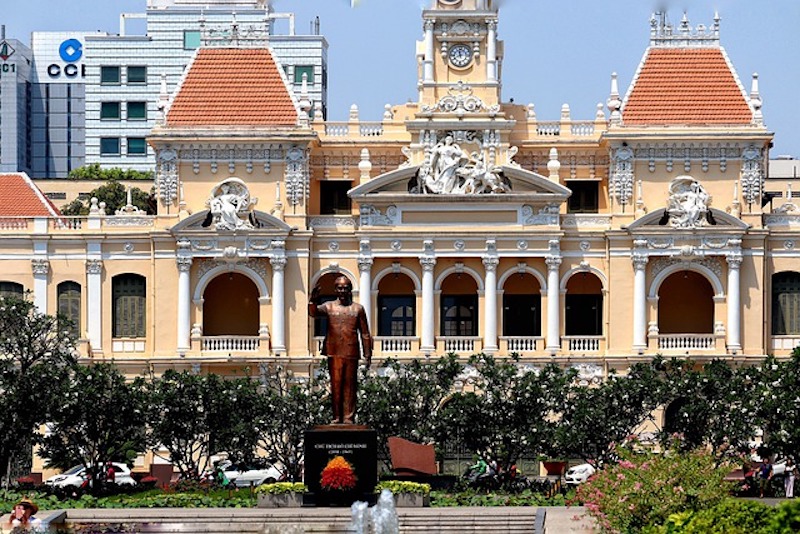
(688, 203)
(621, 182)
(258, 265)
(167, 175)
(449, 170)
(94, 266)
(128, 247)
(522, 245)
(231, 205)
(333, 246)
(371, 216)
(752, 175)
(129, 220)
(332, 222)
(662, 263)
(40, 267)
(585, 245)
(548, 215)
(588, 373)
(460, 100)
(396, 245)
(660, 243)
(788, 244)
(296, 175)
(459, 245)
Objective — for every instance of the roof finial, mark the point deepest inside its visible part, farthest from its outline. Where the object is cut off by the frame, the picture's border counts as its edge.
(756, 102)
(614, 103)
(163, 99)
(305, 101)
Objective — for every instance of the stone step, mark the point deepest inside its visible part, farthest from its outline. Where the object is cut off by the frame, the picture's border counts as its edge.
(457, 520)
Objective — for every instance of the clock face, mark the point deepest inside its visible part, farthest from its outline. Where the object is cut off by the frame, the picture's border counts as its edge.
(460, 55)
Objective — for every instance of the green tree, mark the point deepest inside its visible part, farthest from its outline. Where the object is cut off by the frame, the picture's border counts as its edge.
(93, 171)
(776, 400)
(403, 399)
(35, 355)
(287, 407)
(713, 406)
(511, 412)
(114, 194)
(597, 418)
(194, 416)
(100, 418)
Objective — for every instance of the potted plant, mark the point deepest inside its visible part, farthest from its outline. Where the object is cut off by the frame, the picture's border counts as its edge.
(407, 494)
(281, 495)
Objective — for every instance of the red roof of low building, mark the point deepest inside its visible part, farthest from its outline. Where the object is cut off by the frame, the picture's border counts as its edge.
(19, 197)
(687, 86)
(233, 87)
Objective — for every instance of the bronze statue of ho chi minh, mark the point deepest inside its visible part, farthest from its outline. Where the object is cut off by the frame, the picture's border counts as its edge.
(346, 323)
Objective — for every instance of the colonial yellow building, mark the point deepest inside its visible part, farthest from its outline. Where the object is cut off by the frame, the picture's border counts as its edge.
(464, 222)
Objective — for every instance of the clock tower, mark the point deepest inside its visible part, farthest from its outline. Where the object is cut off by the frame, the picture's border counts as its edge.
(460, 45)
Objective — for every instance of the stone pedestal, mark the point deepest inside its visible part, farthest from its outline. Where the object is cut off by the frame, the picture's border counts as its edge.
(355, 443)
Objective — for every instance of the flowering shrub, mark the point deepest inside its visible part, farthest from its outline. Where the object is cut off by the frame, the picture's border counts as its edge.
(728, 517)
(644, 489)
(338, 475)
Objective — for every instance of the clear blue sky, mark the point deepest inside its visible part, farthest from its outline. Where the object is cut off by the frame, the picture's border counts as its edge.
(557, 51)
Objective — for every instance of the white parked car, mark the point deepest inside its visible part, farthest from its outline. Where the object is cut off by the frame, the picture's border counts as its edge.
(243, 476)
(579, 474)
(76, 476)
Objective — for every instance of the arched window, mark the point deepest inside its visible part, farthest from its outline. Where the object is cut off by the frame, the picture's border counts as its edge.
(459, 306)
(786, 304)
(69, 305)
(129, 304)
(11, 289)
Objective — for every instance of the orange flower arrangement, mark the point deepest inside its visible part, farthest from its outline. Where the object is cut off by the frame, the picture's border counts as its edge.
(338, 475)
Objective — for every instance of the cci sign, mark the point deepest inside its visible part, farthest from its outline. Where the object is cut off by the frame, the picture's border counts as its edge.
(70, 52)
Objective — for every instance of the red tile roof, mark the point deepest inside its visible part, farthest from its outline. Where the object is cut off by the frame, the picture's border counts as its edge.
(691, 86)
(233, 87)
(19, 197)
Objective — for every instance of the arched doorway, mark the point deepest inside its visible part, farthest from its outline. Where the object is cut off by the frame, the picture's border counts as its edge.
(397, 306)
(686, 304)
(458, 308)
(583, 305)
(230, 306)
(522, 311)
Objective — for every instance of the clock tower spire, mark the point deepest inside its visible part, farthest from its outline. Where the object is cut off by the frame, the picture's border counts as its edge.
(460, 45)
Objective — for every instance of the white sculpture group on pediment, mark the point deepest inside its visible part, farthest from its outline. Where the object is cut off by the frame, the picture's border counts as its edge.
(451, 171)
(688, 203)
(231, 205)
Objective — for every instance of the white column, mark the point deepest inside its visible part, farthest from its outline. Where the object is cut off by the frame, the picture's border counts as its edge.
(428, 340)
(278, 304)
(427, 62)
(490, 303)
(491, 50)
(639, 302)
(94, 301)
(365, 286)
(184, 304)
(553, 308)
(734, 302)
(41, 268)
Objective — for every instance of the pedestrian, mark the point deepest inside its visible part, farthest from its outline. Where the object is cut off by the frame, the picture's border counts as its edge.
(23, 516)
(788, 478)
(764, 476)
(111, 474)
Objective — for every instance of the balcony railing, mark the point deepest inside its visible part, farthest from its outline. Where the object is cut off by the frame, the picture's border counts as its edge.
(785, 342)
(230, 343)
(394, 345)
(687, 341)
(459, 344)
(583, 343)
(522, 343)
